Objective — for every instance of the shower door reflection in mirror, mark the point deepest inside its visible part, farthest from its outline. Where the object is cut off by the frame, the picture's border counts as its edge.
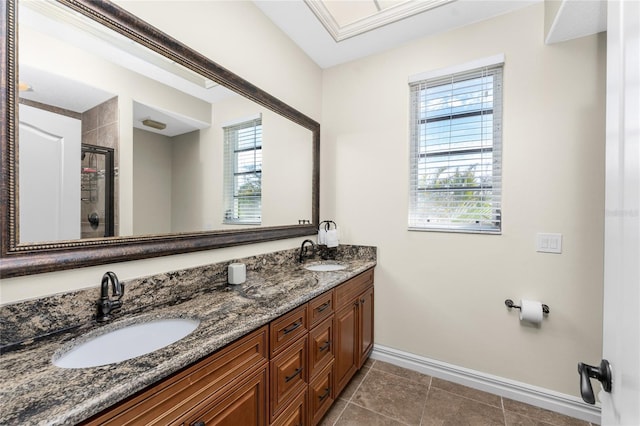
(97, 188)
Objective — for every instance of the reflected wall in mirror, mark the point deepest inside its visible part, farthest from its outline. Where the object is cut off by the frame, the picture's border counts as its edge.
(126, 152)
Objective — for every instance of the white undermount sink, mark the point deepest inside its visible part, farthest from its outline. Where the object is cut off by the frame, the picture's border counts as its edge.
(125, 343)
(325, 267)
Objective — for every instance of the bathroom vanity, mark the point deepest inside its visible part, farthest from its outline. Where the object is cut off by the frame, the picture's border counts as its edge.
(277, 349)
(286, 373)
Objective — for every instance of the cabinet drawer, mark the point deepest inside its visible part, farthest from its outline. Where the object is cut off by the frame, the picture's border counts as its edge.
(244, 404)
(167, 401)
(287, 329)
(346, 292)
(321, 394)
(295, 414)
(320, 346)
(320, 308)
(288, 376)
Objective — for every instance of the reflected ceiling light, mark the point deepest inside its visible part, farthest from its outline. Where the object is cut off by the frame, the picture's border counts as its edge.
(155, 124)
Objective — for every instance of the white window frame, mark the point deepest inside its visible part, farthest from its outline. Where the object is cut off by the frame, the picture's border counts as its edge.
(232, 171)
(446, 191)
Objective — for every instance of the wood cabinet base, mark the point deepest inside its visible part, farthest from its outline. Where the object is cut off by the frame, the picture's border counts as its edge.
(288, 372)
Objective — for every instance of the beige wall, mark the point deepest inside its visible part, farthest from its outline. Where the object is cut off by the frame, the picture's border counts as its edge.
(437, 295)
(441, 295)
(152, 180)
(211, 25)
(222, 29)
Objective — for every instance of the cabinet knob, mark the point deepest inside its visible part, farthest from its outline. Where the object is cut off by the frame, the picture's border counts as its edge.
(200, 423)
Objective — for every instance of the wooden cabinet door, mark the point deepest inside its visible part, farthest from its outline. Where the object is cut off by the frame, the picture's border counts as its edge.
(246, 404)
(320, 395)
(174, 397)
(346, 345)
(288, 376)
(365, 326)
(295, 414)
(320, 346)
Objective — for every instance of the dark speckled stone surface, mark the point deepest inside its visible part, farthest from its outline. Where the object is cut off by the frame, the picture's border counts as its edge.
(34, 391)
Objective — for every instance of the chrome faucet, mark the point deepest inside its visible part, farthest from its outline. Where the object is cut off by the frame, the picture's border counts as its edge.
(304, 249)
(105, 304)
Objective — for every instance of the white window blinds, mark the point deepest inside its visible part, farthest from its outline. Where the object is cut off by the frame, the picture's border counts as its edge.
(456, 146)
(243, 172)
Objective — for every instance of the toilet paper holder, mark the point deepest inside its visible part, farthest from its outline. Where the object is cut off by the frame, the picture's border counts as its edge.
(509, 304)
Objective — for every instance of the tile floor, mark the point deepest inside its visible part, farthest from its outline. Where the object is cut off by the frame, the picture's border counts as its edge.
(383, 394)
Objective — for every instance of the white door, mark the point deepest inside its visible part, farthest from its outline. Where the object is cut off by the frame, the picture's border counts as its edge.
(49, 176)
(621, 339)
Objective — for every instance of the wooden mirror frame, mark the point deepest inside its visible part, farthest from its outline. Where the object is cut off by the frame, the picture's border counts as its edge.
(18, 260)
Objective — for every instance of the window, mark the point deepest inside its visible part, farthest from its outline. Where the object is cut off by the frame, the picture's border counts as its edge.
(243, 172)
(455, 170)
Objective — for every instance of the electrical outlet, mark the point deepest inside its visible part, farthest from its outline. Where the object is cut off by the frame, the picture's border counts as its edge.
(549, 243)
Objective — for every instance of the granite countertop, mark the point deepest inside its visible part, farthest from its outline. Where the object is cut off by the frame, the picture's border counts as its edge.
(34, 391)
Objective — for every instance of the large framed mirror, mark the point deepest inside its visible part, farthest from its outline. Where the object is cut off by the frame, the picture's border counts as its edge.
(121, 143)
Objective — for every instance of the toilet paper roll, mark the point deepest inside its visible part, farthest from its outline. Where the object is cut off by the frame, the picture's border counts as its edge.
(531, 311)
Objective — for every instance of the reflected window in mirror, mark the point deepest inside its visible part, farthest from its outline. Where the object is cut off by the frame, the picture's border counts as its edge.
(243, 172)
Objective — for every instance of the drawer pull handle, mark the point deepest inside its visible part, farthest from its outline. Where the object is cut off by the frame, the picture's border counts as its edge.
(326, 345)
(325, 394)
(200, 423)
(323, 306)
(293, 376)
(292, 327)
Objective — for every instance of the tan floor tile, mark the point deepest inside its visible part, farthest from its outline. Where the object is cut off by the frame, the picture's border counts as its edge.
(369, 363)
(540, 414)
(467, 392)
(354, 415)
(334, 412)
(447, 409)
(351, 388)
(403, 372)
(392, 396)
(513, 419)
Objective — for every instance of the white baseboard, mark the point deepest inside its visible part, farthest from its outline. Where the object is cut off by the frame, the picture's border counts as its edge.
(518, 391)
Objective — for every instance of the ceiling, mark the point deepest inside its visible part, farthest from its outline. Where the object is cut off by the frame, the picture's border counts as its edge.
(329, 31)
(332, 32)
(414, 19)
